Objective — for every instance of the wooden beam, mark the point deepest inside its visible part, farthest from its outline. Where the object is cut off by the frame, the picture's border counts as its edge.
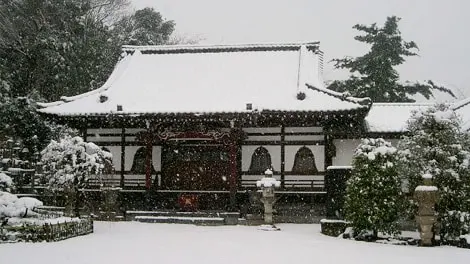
(328, 151)
(148, 160)
(283, 156)
(123, 156)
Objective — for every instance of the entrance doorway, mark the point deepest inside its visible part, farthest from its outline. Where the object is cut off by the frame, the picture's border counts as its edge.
(195, 167)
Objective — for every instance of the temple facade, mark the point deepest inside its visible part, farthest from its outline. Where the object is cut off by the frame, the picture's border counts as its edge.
(209, 120)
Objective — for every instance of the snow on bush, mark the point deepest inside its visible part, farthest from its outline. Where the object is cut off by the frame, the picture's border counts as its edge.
(374, 198)
(6, 183)
(436, 147)
(12, 206)
(69, 162)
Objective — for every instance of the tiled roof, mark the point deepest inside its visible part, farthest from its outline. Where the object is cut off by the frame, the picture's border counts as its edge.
(462, 108)
(391, 117)
(222, 48)
(211, 79)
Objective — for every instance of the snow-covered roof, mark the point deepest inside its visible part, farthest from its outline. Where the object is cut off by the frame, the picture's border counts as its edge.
(462, 108)
(211, 79)
(391, 117)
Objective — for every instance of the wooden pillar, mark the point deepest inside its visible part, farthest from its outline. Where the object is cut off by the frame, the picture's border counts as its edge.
(123, 156)
(84, 132)
(233, 173)
(329, 151)
(283, 156)
(148, 161)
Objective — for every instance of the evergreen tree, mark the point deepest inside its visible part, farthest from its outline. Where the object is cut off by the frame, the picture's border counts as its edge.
(53, 47)
(19, 119)
(374, 75)
(373, 199)
(436, 146)
(144, 27)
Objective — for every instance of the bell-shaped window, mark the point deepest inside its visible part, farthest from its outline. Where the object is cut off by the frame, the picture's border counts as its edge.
(260, 160)
(304, 162)
(138, 166)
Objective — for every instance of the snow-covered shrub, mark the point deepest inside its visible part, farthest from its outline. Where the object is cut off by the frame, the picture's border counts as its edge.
(374, 198)
(436, 146)
(6, 183)
(69, 162)
(12, 206)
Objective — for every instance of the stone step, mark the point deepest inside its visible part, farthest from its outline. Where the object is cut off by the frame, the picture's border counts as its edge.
(197, 217)
(209, 221)
(183, 213)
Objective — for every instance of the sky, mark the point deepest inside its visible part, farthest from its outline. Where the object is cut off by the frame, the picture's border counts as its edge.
(440, 28)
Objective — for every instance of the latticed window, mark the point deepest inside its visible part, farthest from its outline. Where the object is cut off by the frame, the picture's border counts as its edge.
(260, 160)
(138, 166)
(304, 162)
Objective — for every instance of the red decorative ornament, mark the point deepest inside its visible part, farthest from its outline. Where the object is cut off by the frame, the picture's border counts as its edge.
(188, 202)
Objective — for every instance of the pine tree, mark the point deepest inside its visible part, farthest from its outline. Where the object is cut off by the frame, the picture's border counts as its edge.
(436, 146)
(373, 199)
(374, 75)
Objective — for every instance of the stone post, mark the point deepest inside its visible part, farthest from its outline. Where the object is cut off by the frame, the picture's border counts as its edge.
(267, 185)
(110, 205)
(70, 199)
(426, 195)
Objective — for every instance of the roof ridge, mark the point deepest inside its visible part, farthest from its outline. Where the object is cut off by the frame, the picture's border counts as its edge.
(241, 46)
(461, 103)
(366, 101)
(402, 104)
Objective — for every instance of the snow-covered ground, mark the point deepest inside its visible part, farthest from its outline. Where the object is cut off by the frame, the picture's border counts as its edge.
(131, 242)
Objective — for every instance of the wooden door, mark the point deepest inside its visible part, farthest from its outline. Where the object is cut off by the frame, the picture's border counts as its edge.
(196, 167)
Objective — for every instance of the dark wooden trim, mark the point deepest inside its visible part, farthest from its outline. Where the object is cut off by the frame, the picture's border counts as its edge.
(84, 134)
(286, 133)
(148, 162)
(118, 134)
(250, 142)
(286, 173)
(359, 135)
(283, 152)
(132, 173)
(328, 152)
(119, 143)
(278, 142)
(123, 155)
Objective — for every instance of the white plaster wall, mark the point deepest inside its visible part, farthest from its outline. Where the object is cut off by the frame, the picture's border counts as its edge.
(130, 138)
(303, 129)
(130, 152)
(274, 151)
(98, 138)
(116, 151)
(262, 129)
(304, 137)
(317, 150)
(157, 158)
(345, 150)
(104, 131)
(264, 138)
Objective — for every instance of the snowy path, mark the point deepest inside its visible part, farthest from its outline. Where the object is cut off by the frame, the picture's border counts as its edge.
(131, 242)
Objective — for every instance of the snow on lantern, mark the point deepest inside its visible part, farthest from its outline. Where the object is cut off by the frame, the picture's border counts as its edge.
(267, 185)
(426, 195)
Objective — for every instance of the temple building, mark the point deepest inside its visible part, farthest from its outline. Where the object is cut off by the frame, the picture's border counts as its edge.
(209, 120)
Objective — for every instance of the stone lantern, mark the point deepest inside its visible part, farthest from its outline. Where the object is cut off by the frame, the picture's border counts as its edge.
(426, 195)
(267, 185)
